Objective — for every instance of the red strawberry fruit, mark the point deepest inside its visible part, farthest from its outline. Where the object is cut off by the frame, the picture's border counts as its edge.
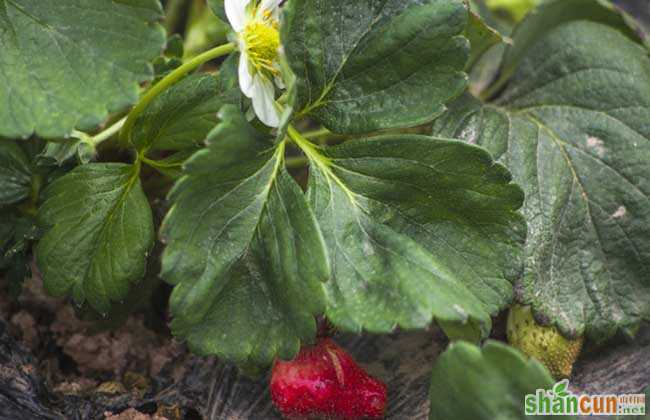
(323, 381)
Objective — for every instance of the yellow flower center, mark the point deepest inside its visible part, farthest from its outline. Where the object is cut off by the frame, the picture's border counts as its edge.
(262, 41)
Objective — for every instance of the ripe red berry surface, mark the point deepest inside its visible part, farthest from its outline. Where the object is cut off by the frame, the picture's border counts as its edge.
(324, 380)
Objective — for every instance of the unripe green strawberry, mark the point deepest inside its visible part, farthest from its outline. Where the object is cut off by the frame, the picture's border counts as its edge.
(546, 344)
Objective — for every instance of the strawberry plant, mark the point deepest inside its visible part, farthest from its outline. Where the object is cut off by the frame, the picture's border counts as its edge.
(383, 165)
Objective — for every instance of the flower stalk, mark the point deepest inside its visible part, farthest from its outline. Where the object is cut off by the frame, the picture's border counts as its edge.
(168, 81)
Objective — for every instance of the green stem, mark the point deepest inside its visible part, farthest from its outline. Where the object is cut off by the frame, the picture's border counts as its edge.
(108, 132)
(318, 159)
(100, 137)
(37, 183)
(308, 148)
(173, 12)
(168, 81)
(493, 89)
(322, 132)
(294, 162)
(158, 164)
(30, 207)
(322, 136)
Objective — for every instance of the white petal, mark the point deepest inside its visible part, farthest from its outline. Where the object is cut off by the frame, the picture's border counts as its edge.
(245, 78)
(279, 82)
(236, 13)
(264, 101)
(270, 4)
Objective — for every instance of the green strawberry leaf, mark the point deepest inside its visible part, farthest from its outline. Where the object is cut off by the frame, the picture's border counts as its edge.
(23, 174)
(483, 66)
(203, 31)
(492, 19)
(143, 299)
(16, 235)
(218, 9)
(365, 65)
(243, 250)
(637, 16)
(572, 126)
(481, 37)
(548, 16)
(16, 231)
(79, 147)
(100, 230)
(470, 382)
(184, 114)
(15, 173)
(174, 47)
(417, 228)
(66, 64)
(172, 165)
(7, 229)
(463, 331)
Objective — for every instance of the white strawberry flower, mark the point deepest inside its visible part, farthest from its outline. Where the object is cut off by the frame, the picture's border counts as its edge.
(256, 23)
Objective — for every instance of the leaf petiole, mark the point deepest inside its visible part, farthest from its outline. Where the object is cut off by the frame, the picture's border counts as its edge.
(173, 12)
(108, 133)
(169, 80)
(314, 155)
(100, 137)
(295, 162)
(310, 150)
(31, 206)
(321, 132)
(157, 164)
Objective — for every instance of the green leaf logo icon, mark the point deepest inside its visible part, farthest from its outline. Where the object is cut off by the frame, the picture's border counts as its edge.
(560, 389)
